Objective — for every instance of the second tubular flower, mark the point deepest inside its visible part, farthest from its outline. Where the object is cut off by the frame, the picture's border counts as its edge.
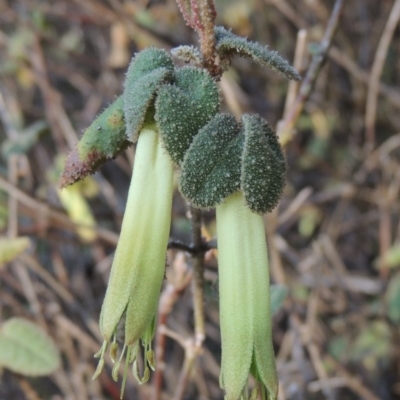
(240, 168)
(246, 332)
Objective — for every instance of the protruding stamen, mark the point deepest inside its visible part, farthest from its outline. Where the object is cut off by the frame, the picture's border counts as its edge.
(254, 394)
(134, 352)
(114, 372)
(114, 350)
(128, 356)
(135, 371)
(146, 375)
(151, 360)
(100, 365)
(102, 350)
(263, 392)
(99, 369)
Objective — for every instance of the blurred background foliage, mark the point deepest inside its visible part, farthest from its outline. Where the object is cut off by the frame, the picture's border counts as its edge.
(334, 241)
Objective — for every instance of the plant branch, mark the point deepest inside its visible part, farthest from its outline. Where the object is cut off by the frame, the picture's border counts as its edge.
(193, 346)
(186, 11)
(200, 15)
(285, 128)
(198, 275)
(190, 248)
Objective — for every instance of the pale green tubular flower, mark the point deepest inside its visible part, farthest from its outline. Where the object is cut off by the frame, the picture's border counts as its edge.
(246, 332)
(139, 263)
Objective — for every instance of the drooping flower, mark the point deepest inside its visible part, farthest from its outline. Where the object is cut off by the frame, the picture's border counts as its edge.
(240, 169)
(245, 315)
(138, 268)
(159, 102)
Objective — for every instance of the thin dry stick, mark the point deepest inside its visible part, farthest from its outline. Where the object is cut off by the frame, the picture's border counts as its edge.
(193, 346)
(22, 273)
(338, 56)
(171, 293)
(313, 350)
(376, 72)
(55, 286)
(198, 277)
(44, 210)
(286, 128)
(300, 51)
(385, 232)
(352, 382)
(29, 392)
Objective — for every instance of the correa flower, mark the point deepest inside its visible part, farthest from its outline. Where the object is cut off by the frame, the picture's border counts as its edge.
(138, 268)
(245, 316)
(240, 168)
(157, 105)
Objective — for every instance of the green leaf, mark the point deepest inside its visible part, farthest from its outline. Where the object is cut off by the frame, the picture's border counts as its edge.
(229, 45)
(185, 107)
(148, 71)
(372, 345)
(146, 62)
(211, 168)
(139, 98)
(392, 298)
(26, 349)
(278, 296)
(338, 347)
(263, 165)
(390, 259)
(12, 248)
(103, 140)
(225, 157)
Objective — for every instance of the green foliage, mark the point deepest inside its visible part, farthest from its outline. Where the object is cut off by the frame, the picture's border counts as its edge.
(103, 140)
(12, 248)
(263, 165)
(139, 97)
(26, 349)
(391, 258)
(146, 62)
(110, 124)
(211, 169)
(148, 70)
(392, 298)
(185, 107)
(230, 45)
(226, 157)
(339, 347)
(372, 345)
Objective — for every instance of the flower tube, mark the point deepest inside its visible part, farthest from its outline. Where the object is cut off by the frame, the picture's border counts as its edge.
(139, 263)
(246, 332)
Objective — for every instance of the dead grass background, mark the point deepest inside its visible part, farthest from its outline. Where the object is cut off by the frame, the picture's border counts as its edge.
(334, 240)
